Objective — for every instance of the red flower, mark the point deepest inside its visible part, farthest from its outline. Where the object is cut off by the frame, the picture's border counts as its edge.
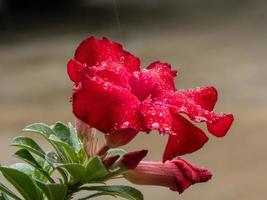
(176, 174)
(115, 96)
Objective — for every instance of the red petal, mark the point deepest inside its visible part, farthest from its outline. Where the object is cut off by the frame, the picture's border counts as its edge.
(197, 104)
(74, 69)
(205, 97)
(111, 72)
(164, 74)
(120, 137)
(93, 51)
(105, 106)
(184, 137)
(221, 127)
(156, 116)
(191, 172)
(187, 139)
(152, 81)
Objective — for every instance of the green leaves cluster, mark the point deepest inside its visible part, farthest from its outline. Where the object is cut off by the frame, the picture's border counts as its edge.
(60, 173)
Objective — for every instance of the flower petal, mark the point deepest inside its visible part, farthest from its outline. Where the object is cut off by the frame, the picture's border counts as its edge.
(93, 51)
(74, 69)
(184, 137)
(156, 116)
(152, 81)
(120, 137)
(163, 73)
(105, 106)
(187, 138)
(191, 172)
(198, 104)
(220, 127)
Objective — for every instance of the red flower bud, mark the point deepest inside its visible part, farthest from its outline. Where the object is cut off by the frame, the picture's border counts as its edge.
(176, 174)
(109, 161)
(131, 159)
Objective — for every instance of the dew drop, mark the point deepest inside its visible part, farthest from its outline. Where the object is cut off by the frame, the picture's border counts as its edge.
(106, 86)
(125, 124)
(136, 74)
(122, 59)
(155, 125)
(200, 119)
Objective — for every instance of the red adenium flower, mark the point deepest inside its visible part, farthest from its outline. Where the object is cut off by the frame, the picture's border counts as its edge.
(115, 96)
(176, 174)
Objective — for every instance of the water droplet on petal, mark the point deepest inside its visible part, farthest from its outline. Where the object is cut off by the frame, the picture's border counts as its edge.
(200, 119)
(122, 59)
(106, 86)
(136, 74)
(155, 125)
(125, 124)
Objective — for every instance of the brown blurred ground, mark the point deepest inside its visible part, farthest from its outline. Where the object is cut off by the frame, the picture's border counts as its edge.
(219, 44)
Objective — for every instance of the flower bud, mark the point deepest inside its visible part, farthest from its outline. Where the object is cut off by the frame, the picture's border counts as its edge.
(87, 136)
(109, 161)
(83, 129)
(132, 159)
(176, 174)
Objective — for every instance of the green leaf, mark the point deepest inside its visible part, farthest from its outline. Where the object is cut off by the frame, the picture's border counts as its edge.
(95, 170)
(23, 168)
(74, 139)
(97, 195)
(8, 192)
(55, 161)
(3, 196)
(53, 191)
(26, 156)
(126, 192)
(40, 128)
(46, 167)
(116, 151)
(67, 134)
(82, 156)
(67, 154)
(45, 131)
(29, 144)
(22, 182)
(57, 137)
(76, 171)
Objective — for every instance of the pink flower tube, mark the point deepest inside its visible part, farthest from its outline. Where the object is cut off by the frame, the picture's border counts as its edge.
(176, 174)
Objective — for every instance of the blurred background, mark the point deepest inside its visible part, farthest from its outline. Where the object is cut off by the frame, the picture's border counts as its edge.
(210, 42)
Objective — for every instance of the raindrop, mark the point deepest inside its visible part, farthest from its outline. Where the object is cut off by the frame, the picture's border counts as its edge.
(122, 59)
(200, 119)
(125, 124)
(155, 125)
(106, 86)
(136, 74)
